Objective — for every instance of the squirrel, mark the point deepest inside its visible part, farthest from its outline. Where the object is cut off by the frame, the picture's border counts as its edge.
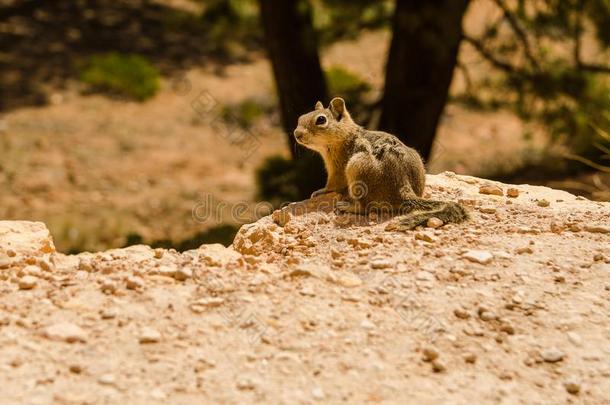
(372, 170)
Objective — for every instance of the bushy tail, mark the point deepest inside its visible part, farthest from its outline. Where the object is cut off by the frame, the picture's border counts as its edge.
(420, 211)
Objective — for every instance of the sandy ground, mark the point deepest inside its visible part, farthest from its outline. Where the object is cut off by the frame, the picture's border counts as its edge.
(510, 307)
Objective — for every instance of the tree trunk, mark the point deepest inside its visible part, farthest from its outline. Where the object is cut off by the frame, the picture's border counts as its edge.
(423, 55)
(293, 50)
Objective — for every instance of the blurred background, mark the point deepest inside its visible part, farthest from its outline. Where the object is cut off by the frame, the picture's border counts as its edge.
(168, 122)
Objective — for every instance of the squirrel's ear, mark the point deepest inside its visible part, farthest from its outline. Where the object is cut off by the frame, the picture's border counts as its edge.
(338, 109)
(319, 105)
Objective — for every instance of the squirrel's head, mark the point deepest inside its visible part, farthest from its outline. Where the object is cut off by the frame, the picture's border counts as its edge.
(325, 127)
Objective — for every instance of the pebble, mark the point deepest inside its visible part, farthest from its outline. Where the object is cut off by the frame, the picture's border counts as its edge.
(65, 331)
(106, 379)
(525, 249)
(424, 276)
(245, 384)
(597, 229)
(366, 324)
(470, 358)
(5, 262)
(349, 280)
(460, 313)
(429, 354)
(425, 236)
(159, 253)
(543, 203)
(108, 286)
(575, 338)
(134, 283)
(149, 335)
(438, 366)
(478, 256)
(379, 264)
(488, 209)
(487, 316)
(490, 189)
(27, 282)
(317, 393)
(572, 385)
(512, 192)
(45, 265)
(552, 355)
(183, 273)
(108, 313)
(434, 222)
(281, 217)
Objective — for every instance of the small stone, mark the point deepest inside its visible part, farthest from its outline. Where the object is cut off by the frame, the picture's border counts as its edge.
(27, 282)
(281, 217)
(134, 283)
(149, 335)
(491, 190)
(429, 354)
(597, 228)
(65, 331)
(349, 280)
(379, 264)
(202, 304)
(108, 313)
(425, 236)
(424, 276)
(543, 203)
(5, 262)
(488, 209)
(159, 253)
(460, 313)
(76, 368)
(45, 265)
(512, 192)
(572, 385)
(575, 228)
(438, 366)
(317, 393)
(108, 286)
(508, 329)
(434, 222)
(106, 379)
(552, 355)
(487, 316)
(575, 338)
(183, 273)
(478, 256)
(523, 250)
(470, 358)
(245, 384)
(366, 324)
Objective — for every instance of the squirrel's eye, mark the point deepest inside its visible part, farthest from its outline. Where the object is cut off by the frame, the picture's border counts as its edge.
(321, 120)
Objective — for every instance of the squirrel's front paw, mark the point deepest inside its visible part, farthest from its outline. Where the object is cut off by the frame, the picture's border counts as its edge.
(320, 192)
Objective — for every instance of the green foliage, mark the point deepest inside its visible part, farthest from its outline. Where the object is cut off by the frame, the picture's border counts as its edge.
(545, 77)
(345, 19)
(281, 180)
(350, 86)
(126, 75)
(245, 113)
(232, 24)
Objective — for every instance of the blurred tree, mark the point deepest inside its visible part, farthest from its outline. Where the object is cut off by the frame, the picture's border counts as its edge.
(545, 74)
(293, 49)
(423, 55)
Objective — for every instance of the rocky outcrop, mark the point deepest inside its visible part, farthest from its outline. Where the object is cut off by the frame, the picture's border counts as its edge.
(309, 306)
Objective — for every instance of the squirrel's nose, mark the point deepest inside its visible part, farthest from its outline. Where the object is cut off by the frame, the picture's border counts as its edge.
(298, 133)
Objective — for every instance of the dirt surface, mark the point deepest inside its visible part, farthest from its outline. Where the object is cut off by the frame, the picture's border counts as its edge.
(510, 307)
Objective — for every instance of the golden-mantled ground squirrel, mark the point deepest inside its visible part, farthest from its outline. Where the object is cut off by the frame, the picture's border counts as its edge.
(373, 170)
